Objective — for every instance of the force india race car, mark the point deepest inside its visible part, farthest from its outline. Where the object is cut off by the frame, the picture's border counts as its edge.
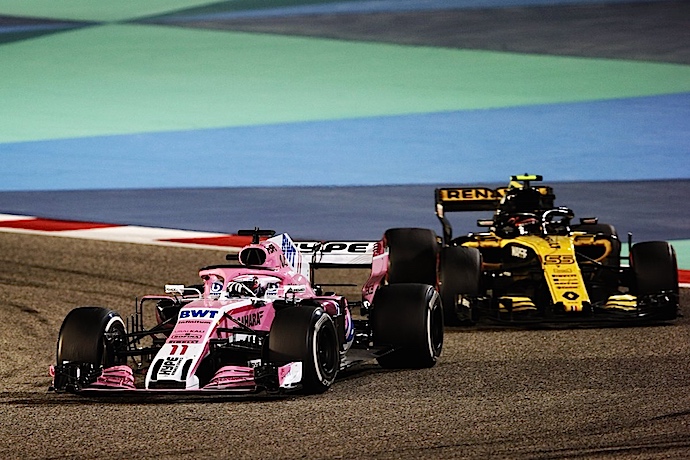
(534, 265)
(257, 325)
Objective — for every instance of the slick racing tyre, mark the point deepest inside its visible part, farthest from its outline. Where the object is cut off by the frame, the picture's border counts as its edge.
(92, 335)
(408, 318)
(306, 334)
(655, 267)
(459, 278)
(412, 255)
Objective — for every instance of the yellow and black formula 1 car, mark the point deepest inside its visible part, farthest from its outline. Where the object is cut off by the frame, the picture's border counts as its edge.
(534, 265)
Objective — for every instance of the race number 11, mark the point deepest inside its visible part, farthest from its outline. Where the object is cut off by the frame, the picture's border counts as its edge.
(183, 349)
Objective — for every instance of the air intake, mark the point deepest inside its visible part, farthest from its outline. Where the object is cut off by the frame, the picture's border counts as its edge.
(253, 256)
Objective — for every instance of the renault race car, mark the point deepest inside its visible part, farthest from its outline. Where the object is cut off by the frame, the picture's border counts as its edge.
(535, 265)
(257, 324)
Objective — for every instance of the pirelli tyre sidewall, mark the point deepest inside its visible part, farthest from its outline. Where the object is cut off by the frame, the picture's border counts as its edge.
(412, 255)
(408, 318)
(91, 335)
(308, 335)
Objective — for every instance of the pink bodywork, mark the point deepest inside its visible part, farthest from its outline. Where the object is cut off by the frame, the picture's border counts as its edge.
(379, 270)
(286, 274)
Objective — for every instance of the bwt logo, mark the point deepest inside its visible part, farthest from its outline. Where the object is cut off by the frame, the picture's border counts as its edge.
(198, 313)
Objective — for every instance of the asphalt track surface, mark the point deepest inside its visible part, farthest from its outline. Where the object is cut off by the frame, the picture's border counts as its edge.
(619, 392)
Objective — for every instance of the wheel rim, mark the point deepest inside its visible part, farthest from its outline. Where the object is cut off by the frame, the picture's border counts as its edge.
(435, 328)
(326, 353)
(110, 346)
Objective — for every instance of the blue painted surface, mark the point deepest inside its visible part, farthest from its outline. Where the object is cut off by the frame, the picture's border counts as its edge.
(628, 139)
(377, 6)
(35, 27)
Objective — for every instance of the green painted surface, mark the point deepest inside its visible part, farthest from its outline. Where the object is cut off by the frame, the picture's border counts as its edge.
(122, 79)
(682, 248)
(94, 10)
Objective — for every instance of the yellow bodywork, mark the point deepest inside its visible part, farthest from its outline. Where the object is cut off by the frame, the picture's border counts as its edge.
(556, 254)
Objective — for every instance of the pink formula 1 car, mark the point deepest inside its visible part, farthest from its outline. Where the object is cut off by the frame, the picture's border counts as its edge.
(257, 325)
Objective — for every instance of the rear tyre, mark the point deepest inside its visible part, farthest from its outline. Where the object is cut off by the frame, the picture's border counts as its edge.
(409, 318)
(306, 334)
(459, 279)
(412, 255)
(92, 335)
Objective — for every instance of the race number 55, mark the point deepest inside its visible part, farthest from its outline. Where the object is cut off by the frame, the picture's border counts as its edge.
(559, 259)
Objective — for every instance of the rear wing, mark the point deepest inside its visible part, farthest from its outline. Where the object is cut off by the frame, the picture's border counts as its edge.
(358, 255)
(474, 198)
(338, 254)
(458, 199)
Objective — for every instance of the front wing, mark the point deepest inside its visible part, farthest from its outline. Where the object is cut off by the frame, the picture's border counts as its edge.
(79, 378)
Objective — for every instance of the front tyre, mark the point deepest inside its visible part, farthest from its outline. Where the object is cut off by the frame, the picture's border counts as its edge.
(92, 335)
(306, 334)
(655, 267)
(656, 275)
(408, 318)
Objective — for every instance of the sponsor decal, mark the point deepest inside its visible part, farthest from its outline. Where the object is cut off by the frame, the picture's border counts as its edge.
(570, 295)
(563, 270)
(290, 374)
(479, 193)
(517, 251)
(361, 247)
(252, 319)
(186, 337)
(216, 287)
(307, 248)
(370, 287)
(349, 327)
(469, 194)
(289, 251)
(198, 314)
(170, 365)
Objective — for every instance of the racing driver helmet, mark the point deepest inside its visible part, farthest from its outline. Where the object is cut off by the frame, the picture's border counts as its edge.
(523, 200)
